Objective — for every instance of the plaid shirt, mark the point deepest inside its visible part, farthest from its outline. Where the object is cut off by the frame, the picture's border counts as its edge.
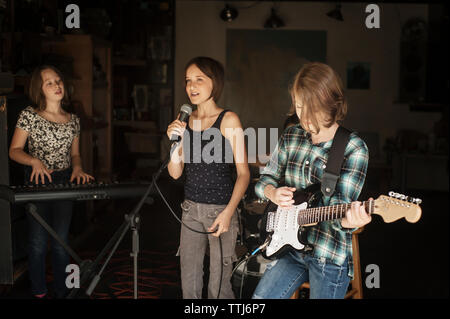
(301, 164)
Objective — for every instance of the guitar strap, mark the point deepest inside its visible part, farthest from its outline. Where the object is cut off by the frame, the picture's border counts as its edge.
(335, 159)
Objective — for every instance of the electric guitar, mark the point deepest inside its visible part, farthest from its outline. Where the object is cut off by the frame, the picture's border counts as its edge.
(283, 229)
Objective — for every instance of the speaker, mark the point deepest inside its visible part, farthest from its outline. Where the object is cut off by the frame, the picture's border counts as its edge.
(413, 61)
(12, 217)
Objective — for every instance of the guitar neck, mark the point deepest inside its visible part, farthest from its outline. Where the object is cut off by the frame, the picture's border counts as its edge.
(319, 214)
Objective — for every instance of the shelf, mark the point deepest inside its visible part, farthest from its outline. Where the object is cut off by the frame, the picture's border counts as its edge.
(76, 79)
(52, 38)
(142, 142)
(136, 124)
(100, 85)
(100, 42)
(129, 61)
(427, 107)
(22, 79)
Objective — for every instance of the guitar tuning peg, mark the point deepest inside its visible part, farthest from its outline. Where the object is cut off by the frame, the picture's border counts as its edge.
(391, 194)
(418, 201)
(402, 197)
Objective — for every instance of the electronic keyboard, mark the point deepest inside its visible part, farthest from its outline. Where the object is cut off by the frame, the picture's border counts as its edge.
(73, 191)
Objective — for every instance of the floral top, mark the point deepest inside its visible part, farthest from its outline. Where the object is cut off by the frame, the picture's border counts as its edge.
(48, 141)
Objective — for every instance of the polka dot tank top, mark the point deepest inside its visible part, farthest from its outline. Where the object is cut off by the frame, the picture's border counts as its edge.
(208, 159)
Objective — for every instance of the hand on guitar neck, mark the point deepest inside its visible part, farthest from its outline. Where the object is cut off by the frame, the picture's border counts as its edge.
(356, 216)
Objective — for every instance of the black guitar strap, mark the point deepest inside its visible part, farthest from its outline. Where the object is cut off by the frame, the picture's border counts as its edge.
(335, 159)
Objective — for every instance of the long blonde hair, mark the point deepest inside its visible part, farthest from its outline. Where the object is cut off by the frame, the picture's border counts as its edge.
(318, 89)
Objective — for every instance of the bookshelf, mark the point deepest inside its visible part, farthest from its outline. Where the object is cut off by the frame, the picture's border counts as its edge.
(143, 84)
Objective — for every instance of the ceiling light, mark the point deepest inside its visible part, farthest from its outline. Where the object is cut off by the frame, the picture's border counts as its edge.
(336, 13)
(274, 21)
(228, 13)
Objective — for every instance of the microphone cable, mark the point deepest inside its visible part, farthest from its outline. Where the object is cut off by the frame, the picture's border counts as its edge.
(194, 230)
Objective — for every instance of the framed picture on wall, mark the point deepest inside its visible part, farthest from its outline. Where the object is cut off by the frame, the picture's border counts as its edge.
(358, 75)
(261, 65)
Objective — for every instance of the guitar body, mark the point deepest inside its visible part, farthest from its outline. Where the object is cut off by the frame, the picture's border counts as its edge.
(283, 229)
(282, 226)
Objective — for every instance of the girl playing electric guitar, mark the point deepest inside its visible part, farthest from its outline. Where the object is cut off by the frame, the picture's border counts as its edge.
(300, 159)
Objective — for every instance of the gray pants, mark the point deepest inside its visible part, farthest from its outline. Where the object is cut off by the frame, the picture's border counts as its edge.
(193, 245)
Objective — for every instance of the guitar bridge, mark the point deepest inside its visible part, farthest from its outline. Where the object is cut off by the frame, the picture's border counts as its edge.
(270, 225)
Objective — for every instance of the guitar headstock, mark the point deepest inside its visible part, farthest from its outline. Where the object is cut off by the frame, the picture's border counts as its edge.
(396, 206)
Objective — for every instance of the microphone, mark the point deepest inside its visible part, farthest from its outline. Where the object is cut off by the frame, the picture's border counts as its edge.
(185, 112)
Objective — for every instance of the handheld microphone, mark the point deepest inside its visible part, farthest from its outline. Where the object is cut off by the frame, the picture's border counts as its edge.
(185, 112)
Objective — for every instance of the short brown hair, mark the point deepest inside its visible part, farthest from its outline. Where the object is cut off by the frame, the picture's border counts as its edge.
(35, 91)
(212, 69)
(318, 88)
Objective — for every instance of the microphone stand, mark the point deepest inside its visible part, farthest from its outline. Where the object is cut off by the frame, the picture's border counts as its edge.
(132, 221)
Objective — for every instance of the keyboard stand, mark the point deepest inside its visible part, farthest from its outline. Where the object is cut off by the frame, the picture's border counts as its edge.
(32, 210)
(87, 267)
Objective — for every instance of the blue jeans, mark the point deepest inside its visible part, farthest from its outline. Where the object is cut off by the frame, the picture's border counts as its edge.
(285, 275)
(57, 214)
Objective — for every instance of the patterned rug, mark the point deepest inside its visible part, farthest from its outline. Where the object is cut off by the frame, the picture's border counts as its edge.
(158, 276)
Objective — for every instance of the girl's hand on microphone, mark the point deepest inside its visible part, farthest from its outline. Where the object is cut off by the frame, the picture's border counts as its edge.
(176, 127)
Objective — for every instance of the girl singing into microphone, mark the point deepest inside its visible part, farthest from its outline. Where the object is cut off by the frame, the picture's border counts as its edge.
(211, 195)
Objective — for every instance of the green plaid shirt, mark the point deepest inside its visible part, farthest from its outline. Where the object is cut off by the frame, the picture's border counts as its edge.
(301, 164)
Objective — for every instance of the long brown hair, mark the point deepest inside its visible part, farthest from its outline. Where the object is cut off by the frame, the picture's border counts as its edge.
(212, 69)
(318, 89)
(37, 95)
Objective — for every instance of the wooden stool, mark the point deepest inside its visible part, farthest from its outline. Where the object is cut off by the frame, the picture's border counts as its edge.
(355, 290)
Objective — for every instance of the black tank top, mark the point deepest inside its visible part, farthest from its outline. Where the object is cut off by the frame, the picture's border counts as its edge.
(208, 159)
